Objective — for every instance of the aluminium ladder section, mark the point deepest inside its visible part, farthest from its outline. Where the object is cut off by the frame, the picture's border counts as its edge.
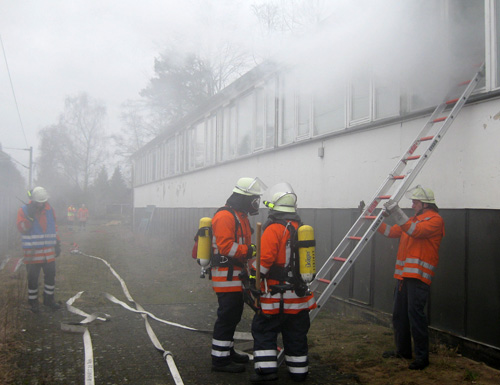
(367, 224)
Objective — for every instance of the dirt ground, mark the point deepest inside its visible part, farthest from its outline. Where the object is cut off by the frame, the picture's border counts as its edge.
(165, 281)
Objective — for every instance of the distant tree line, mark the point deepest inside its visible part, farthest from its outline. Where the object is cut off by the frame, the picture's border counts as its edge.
(76, 154)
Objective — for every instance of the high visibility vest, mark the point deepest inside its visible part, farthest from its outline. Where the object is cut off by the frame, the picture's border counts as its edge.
(276, 251)
(71, 213)
(224, 228)
(39, 243)
(419, 243)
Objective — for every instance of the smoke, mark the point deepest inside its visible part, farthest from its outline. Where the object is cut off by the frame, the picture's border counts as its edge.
(409, 43)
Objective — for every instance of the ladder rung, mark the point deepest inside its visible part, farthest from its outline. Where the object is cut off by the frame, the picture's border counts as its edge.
(339, 259)
(384, 197)
(369, 217)
(398, 177)
(439, 119)
(355, 238)
(413, 157)
(452, 101)
(426, 138)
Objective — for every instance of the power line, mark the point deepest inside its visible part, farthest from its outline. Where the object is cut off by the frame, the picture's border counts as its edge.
(12, 88)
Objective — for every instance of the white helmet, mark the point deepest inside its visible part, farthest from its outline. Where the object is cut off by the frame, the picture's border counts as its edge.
(249, 186)
(39, 194)
(283, 198)
(424, 195)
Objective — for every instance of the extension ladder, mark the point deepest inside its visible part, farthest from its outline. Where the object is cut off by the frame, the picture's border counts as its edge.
(394, 186)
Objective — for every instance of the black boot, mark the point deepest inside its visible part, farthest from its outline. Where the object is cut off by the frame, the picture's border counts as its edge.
(34, 305)
(48, 300)
(256, 378)
(239, 358)
(232, 367)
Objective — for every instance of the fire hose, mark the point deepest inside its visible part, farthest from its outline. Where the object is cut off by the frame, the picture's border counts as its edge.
(167, 355)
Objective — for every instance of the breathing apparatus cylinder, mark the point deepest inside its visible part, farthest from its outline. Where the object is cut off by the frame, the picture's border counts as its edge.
(204, 253)
(307, 253)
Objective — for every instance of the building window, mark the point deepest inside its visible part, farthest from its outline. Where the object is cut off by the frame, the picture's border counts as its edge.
(171, 155)
(211, 140)
(260, 117)
(180, 160)
(303, 100)
(359, 98)
(270, 95)
(245, 124)
(287, 113)
(387, 98)
(228, 133)
(199, 145)
(329, 110)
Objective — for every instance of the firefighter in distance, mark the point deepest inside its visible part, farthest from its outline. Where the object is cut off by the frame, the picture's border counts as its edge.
(36, 221)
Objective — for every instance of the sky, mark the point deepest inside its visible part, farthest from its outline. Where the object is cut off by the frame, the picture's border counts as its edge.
(58, 48)
(53, 49)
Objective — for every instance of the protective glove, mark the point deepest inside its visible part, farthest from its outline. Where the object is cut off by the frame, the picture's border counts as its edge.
(58, 248)
(252, 283)
(31, 211)
(393, 210)
(252, 251)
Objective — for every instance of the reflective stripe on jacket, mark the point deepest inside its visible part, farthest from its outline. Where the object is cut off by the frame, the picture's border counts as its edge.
(225, 244)
(419, 243)
(38, 237)
(276, 250)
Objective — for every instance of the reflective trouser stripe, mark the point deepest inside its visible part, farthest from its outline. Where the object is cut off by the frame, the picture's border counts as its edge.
(49, 289)
(32, 293)
(266, 359)
(297, 364)
(221, 348)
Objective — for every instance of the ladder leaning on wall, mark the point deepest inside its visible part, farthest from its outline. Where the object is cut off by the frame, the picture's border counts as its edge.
(394, 186)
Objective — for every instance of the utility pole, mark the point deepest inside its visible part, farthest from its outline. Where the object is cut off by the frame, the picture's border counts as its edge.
(30, 177)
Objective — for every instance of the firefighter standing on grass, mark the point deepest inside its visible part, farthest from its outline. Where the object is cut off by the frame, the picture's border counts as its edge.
(420, 237)
(233, 247)
(83, 216)
(285, 300)
(71, 216)
(37, 223)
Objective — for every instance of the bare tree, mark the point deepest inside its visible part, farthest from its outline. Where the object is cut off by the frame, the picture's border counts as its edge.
(84, 121)
(291, 16)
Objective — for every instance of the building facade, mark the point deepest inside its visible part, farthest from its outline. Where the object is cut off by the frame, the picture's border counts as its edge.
(335, 143)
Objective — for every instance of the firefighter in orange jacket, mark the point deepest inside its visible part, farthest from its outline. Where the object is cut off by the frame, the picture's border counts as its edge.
(285, 300)
(83, 216)
(232, 236)
(417, 259)
(37, 223)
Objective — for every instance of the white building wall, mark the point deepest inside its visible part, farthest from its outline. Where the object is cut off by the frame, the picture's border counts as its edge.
(464, 170)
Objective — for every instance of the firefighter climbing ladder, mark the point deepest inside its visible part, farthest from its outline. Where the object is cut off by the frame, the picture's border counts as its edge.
(394, 186)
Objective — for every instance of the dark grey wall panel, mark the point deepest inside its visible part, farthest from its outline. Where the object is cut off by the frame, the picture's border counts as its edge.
(483, 276)
(465, 293)
(384, 252)
(447, 304)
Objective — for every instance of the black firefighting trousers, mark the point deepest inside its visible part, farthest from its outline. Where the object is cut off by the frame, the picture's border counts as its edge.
(409, 318)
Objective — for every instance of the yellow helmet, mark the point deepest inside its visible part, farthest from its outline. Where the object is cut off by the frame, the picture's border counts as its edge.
(424, 195)
(285, 202)
(283, 198)
(249, 186)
